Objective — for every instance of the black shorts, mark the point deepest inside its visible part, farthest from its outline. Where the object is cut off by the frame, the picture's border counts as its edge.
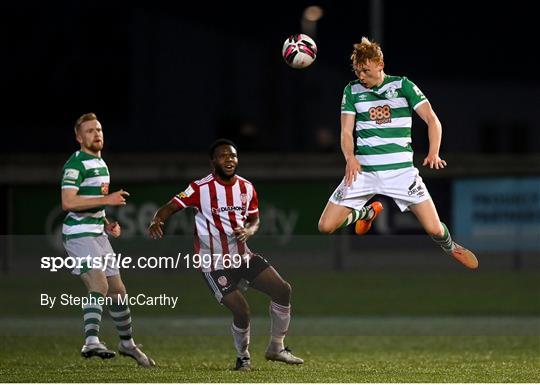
(223, 282)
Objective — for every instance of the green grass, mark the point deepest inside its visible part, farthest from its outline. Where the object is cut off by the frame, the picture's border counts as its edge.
(328, 359)
(350, 327)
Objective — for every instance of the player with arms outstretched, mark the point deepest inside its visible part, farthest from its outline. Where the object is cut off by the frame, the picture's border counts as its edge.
(227, 215)
(85, 193)
(377, 110)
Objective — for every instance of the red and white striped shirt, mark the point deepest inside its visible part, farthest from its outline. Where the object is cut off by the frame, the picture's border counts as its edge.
(220, 208)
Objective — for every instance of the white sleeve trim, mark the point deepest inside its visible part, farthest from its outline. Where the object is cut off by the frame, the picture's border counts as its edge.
(253, 211)
(348, 112)
(68, 186)
(419, 104)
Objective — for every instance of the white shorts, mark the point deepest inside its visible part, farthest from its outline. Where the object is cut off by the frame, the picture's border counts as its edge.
(89, 252)
(404, 185)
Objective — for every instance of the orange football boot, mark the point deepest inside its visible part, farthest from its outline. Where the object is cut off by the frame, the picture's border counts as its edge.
(464, 256)
(363, 225)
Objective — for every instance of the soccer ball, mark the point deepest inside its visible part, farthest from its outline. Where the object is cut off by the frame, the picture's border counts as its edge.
(299, 51)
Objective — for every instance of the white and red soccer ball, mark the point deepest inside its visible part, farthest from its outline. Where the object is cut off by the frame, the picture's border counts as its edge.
(299, 51)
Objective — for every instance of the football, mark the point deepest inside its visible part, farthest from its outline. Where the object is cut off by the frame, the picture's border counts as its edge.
(299, 51)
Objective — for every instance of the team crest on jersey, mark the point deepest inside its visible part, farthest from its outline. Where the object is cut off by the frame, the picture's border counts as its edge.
(243, 198)
(104, 189)
(223, 281)
(391, 93)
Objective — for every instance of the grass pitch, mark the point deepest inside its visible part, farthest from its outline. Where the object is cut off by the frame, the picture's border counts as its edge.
(328, 359)
(349, 327)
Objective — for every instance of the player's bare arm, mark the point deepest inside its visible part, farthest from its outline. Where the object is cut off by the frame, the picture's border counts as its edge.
(347, 147)
(113, 228)
(435, 135)
(251, 226)
(155, 230)
(73, 202)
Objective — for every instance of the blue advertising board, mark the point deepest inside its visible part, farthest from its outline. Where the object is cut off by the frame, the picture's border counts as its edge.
(497, 214)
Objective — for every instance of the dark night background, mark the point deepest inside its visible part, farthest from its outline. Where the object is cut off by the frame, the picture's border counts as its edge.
(173, 76)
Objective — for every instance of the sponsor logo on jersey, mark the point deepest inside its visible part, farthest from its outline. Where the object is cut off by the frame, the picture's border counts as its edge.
(416, 189)
(186, 193)
(96, 171)
(189, 191)
(71, 173)
(104, 189)
(217, 210)
(380, 114)
(362, 96)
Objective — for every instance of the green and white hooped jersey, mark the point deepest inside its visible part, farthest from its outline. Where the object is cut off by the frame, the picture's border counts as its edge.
(383, 121)
(90, 176)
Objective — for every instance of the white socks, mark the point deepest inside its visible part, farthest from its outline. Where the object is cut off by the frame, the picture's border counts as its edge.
(280, 317)
(129, 344)
(241, 340)
(91, 340)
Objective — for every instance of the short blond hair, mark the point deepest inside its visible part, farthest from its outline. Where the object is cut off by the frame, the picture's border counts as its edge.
(364, 51)
(84, 118)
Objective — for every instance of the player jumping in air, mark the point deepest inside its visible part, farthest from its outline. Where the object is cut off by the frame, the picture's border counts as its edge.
(377, 110)
(227, 215)
(85, 193)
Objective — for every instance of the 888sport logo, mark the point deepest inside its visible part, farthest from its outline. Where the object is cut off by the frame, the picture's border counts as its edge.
(380, 114)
